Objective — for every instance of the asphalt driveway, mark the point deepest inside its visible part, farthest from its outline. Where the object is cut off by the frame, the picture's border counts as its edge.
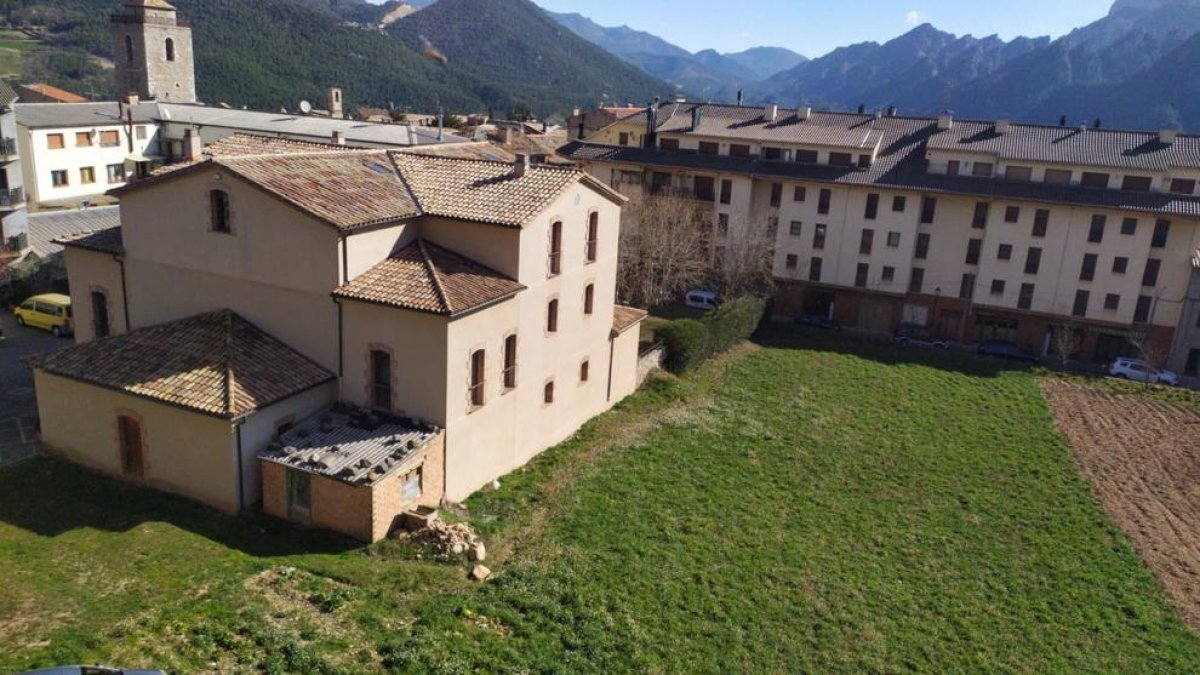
(18, 407)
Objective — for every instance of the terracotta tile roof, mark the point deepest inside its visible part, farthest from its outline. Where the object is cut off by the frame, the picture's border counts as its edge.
(349, 190)
(107, 240)
(624, 317)
(52, 92)
(428, 278)
(252, 145)
(482, 191)
(479, 150)
(216, 363)
(358, 188)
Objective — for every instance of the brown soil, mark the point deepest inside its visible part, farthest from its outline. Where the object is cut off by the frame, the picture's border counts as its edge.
(1142, 458)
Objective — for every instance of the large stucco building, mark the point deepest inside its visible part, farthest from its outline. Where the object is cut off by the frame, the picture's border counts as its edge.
(974, 229)
(472, 301)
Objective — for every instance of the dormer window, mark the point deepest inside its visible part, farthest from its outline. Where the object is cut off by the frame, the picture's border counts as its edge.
(218, 201)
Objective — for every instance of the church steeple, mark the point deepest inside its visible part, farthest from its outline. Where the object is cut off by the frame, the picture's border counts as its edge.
(152, 49)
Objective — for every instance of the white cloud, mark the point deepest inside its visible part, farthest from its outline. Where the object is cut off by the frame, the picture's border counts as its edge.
(913, 18)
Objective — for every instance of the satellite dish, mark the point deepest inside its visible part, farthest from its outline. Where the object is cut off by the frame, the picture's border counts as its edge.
(305, 107)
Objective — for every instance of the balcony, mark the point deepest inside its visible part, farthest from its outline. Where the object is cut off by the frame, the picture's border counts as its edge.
(8, 149)
(12, 199)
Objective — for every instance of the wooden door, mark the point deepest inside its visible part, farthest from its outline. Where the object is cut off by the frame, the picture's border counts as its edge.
(132, 452)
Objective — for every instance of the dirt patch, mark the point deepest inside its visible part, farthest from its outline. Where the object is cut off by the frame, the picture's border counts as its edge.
(1142, 458)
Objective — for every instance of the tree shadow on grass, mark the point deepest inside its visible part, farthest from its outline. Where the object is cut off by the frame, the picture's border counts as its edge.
(885, 351)
(49, 496)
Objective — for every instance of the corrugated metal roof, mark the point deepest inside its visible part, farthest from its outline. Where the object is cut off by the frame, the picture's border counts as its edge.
(61, 115)
(352, 445)
(47, 227)
(319, 129)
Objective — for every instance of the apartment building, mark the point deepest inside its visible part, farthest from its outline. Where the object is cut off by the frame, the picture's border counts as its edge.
(14, 222)
(975, 229)
(466, 306)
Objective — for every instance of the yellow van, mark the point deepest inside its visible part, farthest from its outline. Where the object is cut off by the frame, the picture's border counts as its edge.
(51, 312)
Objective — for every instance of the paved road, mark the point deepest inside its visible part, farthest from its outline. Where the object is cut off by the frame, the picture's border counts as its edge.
(18, 407)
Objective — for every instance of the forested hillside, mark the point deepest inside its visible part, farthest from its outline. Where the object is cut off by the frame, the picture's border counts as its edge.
(273, 53)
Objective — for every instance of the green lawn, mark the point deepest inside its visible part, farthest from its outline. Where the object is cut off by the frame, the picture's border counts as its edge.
(783, 510)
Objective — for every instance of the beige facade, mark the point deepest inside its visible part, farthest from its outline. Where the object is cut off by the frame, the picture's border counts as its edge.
(185, 453)
(441, 333)
(852, 242)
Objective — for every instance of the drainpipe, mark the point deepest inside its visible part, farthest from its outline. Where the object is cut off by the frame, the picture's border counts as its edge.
(241, 500)
(124, 292)
(612, 349)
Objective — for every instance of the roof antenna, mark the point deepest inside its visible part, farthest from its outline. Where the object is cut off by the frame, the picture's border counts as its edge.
(441, 130)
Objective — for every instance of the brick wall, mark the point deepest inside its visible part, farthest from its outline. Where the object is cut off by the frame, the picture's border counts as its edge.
(366, 513)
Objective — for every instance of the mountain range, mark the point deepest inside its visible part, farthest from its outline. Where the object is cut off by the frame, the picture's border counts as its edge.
(706, 74)
(1131, 68)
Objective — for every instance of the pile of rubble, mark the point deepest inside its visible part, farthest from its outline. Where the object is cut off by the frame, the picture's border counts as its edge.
(447, 540)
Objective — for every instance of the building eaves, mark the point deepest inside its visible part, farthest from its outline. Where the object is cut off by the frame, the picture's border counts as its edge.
(106, 240)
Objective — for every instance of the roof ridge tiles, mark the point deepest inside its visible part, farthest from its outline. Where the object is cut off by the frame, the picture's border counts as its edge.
(432, 270)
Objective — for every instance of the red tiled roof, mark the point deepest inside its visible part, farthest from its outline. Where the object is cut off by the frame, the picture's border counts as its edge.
(253, 145)
(216, 363)
(52, 92)
(428, 278)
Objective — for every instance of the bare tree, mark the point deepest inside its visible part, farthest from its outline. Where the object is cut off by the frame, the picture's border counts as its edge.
(664, 249)
(1149, 350)
(1065, 343)
(743, 260)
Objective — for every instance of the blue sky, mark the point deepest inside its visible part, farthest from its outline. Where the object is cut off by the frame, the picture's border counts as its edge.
(815, 27)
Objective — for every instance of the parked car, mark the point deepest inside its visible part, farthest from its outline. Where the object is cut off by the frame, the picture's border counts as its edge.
(1138, 370)
(916, 334)
(818, 322)
(51, 311)
(1003, 349)
(701, 299)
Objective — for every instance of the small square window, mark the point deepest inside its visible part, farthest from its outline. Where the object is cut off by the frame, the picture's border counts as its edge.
(796, 228)
(893, 240)
(1120, 265)
(889, 273)
(899, 203)
(1005, 252)
(1112, 301)
(799, 193)
(792, 261)
(1012, 214)
(998, 287)
(1129, 226)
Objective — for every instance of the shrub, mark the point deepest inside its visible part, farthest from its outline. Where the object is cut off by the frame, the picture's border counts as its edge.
(689, 342)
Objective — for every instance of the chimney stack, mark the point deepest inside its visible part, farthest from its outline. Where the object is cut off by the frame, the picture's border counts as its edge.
(339, 138)
(521, 166)
(771, 112)
(862, 109)
(697, 117)
(891, 111)
(1002, 126)
(1062, 121)
(945, 123)
(804, 113)
(193, 147)
(739, 98)
(1167, 136)
(335, 103)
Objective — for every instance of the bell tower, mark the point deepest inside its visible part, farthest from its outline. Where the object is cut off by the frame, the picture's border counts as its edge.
(152, 50)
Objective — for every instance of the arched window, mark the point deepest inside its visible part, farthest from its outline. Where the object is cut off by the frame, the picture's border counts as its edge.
(170, 49)
(129, 48)
(219, 206)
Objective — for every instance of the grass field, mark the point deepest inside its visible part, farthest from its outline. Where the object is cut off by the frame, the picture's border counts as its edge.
(831, 508)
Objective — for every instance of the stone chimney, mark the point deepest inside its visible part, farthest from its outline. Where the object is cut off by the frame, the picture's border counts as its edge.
(339, 138)
(771, 112)
(335, 103)
(945, 123)
(804, 113)
(697, 117)
(1002, 126)
(193, 146)
(1168, 136)
(521, 166)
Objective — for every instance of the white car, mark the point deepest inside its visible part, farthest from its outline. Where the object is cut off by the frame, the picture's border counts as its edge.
(699, 299)
(1136, 369)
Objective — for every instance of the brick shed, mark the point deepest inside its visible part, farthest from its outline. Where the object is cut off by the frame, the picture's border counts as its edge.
(354, 471)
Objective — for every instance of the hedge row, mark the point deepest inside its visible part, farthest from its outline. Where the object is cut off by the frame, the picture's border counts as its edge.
(690, 342)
